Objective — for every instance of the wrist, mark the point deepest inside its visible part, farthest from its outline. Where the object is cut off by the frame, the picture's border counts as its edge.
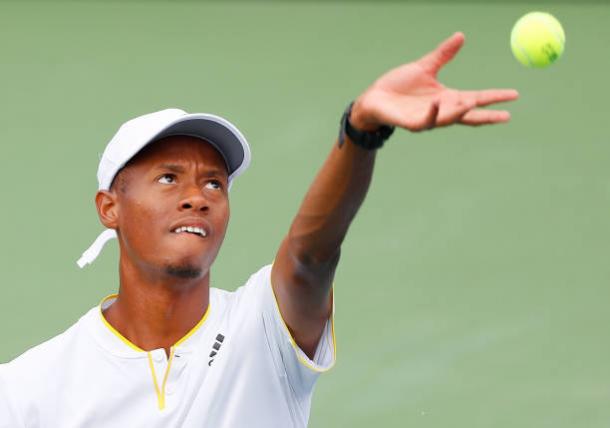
(359, 120)
(368, 137)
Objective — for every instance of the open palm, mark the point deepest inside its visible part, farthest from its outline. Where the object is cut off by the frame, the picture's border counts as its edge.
(411, 97)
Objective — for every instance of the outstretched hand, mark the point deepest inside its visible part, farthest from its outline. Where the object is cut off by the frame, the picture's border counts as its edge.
(411, 97)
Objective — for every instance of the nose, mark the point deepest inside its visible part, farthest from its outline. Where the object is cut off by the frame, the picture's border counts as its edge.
(194, 200)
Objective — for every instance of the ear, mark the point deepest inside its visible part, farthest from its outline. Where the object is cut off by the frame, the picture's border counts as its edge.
(107, 208)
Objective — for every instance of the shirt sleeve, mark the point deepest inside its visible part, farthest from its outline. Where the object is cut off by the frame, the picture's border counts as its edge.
(301, 370)
(9, 417)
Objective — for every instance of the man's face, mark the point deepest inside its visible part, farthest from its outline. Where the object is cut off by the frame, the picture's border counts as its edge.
(175, 183)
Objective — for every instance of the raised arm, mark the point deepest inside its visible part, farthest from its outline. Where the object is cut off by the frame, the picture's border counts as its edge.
(408, 97)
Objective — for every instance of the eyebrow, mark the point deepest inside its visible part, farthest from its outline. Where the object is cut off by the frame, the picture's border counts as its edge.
(171, 167)
(178, 169)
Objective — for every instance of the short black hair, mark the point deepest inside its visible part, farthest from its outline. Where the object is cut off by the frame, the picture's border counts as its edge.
(119, 181)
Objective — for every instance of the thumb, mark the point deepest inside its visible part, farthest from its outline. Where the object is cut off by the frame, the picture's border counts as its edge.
(445, 51)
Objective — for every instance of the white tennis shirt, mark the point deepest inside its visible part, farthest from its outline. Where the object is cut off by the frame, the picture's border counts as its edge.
(238, 367)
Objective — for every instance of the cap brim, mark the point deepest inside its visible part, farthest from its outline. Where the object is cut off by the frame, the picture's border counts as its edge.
(219, 132)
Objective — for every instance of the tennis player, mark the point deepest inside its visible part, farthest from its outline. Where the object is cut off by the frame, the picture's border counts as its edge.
(169, 350)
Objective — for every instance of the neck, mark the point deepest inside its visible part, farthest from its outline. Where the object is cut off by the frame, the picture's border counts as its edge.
(157, 310)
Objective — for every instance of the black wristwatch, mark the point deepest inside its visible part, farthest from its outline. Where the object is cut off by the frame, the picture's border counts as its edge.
(368, 140)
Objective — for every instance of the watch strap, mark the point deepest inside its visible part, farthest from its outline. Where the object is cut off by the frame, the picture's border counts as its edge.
(369, 140)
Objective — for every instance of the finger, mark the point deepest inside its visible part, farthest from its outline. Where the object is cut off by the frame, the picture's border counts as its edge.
(491, 96)
(478, 117)
(432, 116)
(411, 113)
(452, 111)
(418, 119)
(444, 53)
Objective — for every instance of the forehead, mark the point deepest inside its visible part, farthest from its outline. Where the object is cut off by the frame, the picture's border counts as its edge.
(180, 149)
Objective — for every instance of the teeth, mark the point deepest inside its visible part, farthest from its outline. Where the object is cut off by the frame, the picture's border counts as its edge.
(191, 229)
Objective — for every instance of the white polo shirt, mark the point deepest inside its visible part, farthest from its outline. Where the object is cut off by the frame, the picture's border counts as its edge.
(238, 367)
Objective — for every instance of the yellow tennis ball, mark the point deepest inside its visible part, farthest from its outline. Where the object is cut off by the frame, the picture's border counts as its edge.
(537, 39)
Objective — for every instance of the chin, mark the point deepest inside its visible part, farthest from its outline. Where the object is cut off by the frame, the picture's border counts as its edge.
(184, 270)
(185, 267)
(188, 264)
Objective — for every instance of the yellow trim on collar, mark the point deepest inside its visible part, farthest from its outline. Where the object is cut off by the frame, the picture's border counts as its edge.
(114, 330)
(195, 328)
(134, 346)
(160, 391)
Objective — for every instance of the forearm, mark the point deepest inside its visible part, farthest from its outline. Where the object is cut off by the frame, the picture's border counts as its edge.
(304, 267)
(330, 205)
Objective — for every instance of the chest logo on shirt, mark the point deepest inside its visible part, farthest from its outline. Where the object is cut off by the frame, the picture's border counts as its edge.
(216, 347)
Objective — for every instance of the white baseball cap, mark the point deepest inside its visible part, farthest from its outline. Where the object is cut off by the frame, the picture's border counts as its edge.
(137, 133)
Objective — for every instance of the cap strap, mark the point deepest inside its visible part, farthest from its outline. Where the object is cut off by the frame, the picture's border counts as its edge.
(94, 250)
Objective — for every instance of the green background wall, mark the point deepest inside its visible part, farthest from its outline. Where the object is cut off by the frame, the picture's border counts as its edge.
(473, 286)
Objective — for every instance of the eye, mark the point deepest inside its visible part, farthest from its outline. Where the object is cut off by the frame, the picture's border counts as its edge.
(213, 184)
(167, 179)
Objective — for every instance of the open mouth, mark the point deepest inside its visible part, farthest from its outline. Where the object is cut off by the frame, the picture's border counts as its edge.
(192, 230)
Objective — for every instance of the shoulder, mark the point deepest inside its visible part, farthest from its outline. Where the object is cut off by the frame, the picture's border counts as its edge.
(247, 295)
(244, 305)
(41, 358)
(257, 284)
(36, 374)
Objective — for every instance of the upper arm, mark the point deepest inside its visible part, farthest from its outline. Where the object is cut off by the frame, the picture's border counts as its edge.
(303, 290)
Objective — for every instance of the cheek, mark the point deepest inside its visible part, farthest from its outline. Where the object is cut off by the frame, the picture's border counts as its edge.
(220, 218)
(226, 214)
(139, 220)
